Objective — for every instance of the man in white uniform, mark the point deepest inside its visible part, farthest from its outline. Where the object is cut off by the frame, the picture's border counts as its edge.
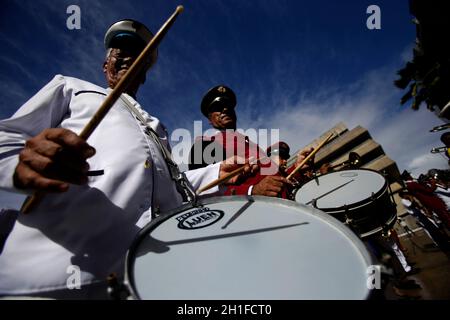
(99, 193)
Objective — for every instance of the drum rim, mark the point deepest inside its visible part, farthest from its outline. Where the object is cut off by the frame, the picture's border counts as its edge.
(390, 223)
(354, 205)
(129, 279)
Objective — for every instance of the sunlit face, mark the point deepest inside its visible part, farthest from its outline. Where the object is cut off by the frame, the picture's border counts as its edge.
(117, 64)
(221, 117)
(279, 160)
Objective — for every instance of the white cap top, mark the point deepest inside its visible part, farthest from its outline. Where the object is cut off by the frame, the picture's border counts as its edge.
(131, 29)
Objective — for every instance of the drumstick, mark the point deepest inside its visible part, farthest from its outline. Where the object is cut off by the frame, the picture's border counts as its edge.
(309, 157)
(115, 94)
(225, 178)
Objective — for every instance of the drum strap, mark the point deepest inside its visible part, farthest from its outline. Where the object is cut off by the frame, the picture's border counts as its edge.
(183, 185)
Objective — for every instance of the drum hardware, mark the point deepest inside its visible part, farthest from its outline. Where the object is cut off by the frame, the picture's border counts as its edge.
(362, 202)
(295, 182)
(439, 149)
(117, 290)
(441, 127)
(348, 221)
(353, 161)
(290, 190)
(386, 233)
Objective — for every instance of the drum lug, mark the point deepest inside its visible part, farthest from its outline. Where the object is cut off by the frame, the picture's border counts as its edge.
(116, 289)
(386, 233)
(348, 221)
(314, 203)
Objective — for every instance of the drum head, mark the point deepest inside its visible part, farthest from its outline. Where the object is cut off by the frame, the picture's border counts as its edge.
(247, 248)
(338, 189)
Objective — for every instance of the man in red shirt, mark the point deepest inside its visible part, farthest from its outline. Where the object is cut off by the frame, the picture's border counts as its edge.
(218, 106)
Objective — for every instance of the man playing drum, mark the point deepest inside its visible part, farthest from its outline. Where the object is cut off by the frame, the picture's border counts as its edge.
(100, 192)
(279, 153)
(218, 106)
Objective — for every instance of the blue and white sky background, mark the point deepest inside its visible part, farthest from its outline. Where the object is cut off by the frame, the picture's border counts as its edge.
(299, 66)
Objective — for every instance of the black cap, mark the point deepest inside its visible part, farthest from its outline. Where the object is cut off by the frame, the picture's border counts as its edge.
(218, 94)
(281, 148)
(405, 175)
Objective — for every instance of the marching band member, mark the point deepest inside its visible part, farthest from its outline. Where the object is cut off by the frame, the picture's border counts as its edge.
(104, 190)
(218, 107)
(279, 153)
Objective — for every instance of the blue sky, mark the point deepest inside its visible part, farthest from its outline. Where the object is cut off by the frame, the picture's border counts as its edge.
(300, 66)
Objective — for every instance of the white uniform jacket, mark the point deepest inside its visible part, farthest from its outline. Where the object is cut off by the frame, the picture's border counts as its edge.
(89, 227)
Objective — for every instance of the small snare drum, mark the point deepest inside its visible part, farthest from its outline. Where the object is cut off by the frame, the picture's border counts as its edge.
(360, 198)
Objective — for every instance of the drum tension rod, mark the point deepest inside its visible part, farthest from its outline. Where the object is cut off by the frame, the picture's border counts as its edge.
(348, 221)
(116, 289)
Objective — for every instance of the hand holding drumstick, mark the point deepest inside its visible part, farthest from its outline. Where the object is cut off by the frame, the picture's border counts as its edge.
(305, 160)
(41, 167)
(228, 174)
(232, 171)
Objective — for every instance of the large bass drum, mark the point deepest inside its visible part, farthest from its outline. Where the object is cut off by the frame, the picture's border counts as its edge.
(359, 198)
(247, 248)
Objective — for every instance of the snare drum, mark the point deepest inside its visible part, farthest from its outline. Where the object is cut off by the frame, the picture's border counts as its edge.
(360, 198)
(237, 247)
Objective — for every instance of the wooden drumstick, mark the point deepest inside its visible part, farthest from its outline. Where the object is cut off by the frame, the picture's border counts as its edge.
(115, 94)
(226, 177)
(309, 157)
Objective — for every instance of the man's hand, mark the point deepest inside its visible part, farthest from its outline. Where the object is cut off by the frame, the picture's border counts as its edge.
(233, 163)
(302, 156)
(51, 160)
(270, 186)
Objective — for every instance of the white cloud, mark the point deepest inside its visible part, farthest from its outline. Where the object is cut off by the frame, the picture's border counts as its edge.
(430, 161)
(372, 102)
